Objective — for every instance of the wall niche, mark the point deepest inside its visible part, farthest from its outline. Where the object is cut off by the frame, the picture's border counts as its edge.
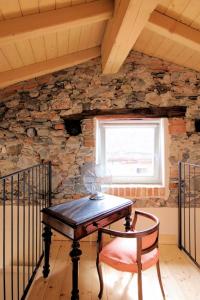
(73, 127)
(197, 125)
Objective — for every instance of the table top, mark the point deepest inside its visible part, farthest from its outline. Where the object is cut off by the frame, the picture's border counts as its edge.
(77, 212)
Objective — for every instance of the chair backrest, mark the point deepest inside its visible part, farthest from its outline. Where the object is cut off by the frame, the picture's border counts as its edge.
(147, 239)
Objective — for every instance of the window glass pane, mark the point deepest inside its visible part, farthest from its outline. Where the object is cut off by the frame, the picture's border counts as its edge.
(130, 150)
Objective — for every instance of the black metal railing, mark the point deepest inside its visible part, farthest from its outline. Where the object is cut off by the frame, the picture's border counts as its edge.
(189, 210)
(24, 194)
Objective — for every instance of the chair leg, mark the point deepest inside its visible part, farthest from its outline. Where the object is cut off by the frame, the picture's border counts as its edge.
(159, 278)
(99, 270)
(140, 297)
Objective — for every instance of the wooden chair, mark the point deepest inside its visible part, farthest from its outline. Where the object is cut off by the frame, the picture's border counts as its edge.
(132, 251)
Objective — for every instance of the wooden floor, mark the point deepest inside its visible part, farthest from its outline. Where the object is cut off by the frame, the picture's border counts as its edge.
(181, 278)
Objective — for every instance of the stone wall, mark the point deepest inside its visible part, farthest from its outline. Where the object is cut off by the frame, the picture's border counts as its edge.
(32, 126)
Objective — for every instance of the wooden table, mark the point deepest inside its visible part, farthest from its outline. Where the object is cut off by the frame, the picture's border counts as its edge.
(79, 218)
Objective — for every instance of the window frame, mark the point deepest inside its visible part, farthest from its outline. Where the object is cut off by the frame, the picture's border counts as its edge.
(159, 159)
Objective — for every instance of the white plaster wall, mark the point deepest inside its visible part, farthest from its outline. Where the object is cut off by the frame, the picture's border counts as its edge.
(8, 235)
(168, 223)
(168, 230)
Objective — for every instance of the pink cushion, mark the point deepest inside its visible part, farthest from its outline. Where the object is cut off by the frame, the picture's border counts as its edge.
(121, 254)
(149, 240)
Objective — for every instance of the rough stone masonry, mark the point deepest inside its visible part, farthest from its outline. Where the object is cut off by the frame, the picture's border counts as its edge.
(32, 120)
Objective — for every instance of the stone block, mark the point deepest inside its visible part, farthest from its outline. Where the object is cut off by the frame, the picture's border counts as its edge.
(23, 115)
(45, 116)
(31, 132)
(43, 132)
(177, 126)
(13, 149)
(61, 101)
(13, 103)
(34, 94)
(60, 126)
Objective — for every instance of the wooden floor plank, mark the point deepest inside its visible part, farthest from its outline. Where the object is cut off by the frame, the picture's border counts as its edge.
(39, 285)
(180, 277)
(60, 274)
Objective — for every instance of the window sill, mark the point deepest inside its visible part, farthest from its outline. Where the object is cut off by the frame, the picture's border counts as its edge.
(137, 191)
(133, 185)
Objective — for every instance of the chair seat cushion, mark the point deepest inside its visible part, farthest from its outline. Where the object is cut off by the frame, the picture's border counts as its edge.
(121, 254)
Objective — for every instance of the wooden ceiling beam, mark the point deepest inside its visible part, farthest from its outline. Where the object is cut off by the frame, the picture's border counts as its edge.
(129, 19)
(174, 30)
(69, 17)
(49, 66)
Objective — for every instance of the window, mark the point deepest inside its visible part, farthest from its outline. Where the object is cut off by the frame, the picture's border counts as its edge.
(131, 151)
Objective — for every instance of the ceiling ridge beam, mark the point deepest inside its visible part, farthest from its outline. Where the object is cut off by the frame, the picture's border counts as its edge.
(129, 19)
(46, 67)
(174, 30)
(63, 18)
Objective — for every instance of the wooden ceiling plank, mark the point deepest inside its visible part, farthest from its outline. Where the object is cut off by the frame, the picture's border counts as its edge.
(74, 39)
(196, 22)
(153, 44)
(50, 40)
(29, 7)
(99, 33)
(185, 55)
(174, 30)
(1, 16)
(75, 2)
(63, 3)
(4, 65)
(122, 31)
(25, 51)
(38, 47)
(191, 12)
(96, 34)
(143, 40)
(10, 9)
(52, 65)
(46, 5)
(179, 53)
(163, 6)
(12, 55)
(85, 37)
(176, 8)
(193, 61)
(63, 42)
(51, 21)
(165, 46)
(172, 53)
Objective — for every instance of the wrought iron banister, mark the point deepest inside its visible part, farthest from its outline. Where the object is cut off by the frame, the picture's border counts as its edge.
(24, 194)
(189, 210)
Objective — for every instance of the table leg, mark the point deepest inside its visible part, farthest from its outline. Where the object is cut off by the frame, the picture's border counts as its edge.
(47, 242)
(128, 222)
(75, 256)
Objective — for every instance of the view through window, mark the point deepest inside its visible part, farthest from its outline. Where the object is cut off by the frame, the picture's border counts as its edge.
(131, 151)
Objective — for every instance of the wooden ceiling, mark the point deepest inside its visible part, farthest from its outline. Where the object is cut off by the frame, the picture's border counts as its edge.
(41, 36)
(173, 33)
